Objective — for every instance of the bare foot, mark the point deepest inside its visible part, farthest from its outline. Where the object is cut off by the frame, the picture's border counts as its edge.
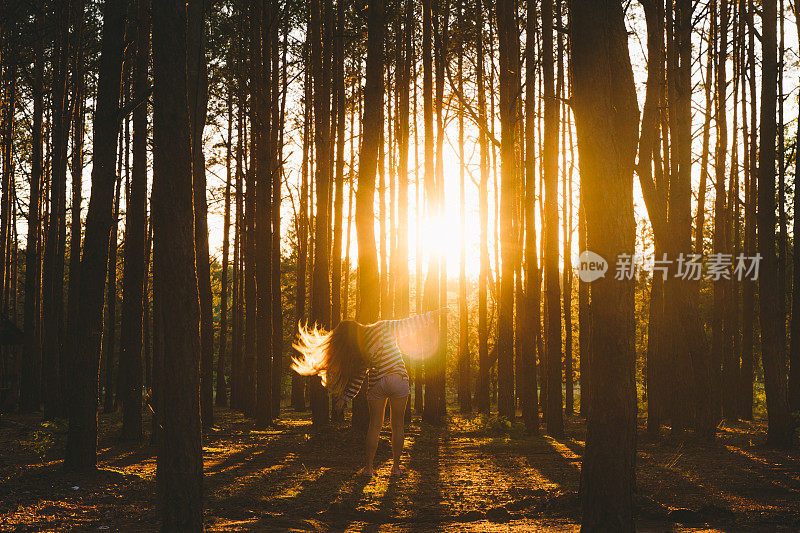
(365, 471)
(397, 471)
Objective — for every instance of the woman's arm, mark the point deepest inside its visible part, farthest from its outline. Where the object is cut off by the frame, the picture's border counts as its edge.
(410, 325)
(354, 385)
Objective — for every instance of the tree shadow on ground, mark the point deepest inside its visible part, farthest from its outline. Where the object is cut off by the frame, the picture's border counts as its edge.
(426, 502)
(458, 478)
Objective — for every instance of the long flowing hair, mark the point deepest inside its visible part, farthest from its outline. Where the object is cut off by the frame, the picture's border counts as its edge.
(332, 355)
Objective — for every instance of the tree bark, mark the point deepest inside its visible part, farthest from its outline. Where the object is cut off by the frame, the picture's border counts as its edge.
(794, 353)
(221, 398)
(298, 381)
(30, 370)
(721, 220)
(78, 126)
(53, 268)
(368, 309)
(130, 354)
(691, 382)
(606, 120)
(405, 57)
(464, 363)
(338, 203)
(320, 285)
(749, 286)
(81, 452)
(482, 388)
(108, 352)
(279, 91)
(655, 199)
(530, 307)
(779, 430)
(198, 100)
(179, 475)
(553, 410)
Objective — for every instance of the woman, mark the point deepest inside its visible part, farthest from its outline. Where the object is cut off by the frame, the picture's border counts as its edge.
(342, 358)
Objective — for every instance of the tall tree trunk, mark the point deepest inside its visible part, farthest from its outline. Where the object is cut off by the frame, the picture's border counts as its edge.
(180, 463)
(606, 121)
(655, 199)
(584, 321)
(704, 154)
(779, 431)
(430, 290)
(238, 380)
(109, 344)
(749, 286)
(262, 245)
(298, 381)
(147, 346)
(350, 203)
(531, 305)
(405, 57)
(78, 126)
(553, 412)
(731, 325)
(464, 363)
(320, 286)
(338, 203)
(81, 452)
(368, 309)
(692, 384)
(276, 173)
(130, 353)
(569, 375)
(566, 180)
(236, 383)
(782, 236)
(53, 269)
(509, 60)
(221, 398)
(249, 262)
(198, 100)
(794, 353)
(32, 349)
(383, 252)
(721, 220)
(482, 388)
(441, 44)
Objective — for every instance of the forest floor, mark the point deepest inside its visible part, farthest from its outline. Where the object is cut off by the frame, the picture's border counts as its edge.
(475, 475)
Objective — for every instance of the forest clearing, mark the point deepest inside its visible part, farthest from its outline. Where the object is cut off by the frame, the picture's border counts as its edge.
(472, 475)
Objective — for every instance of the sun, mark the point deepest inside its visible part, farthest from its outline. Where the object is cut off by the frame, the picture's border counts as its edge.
(441, 235)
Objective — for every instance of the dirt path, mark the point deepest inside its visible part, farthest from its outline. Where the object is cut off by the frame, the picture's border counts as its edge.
(466, 478)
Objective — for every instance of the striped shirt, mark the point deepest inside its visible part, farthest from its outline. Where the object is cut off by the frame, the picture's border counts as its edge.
(382, 353)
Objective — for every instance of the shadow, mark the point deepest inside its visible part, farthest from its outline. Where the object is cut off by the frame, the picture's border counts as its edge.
(724, 481)
(543, 476)
(298, 478)
(426, 500)
(126, 455)
(458, 478)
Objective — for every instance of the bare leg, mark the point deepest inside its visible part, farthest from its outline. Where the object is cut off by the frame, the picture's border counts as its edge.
(376, 410)
(398, 408)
